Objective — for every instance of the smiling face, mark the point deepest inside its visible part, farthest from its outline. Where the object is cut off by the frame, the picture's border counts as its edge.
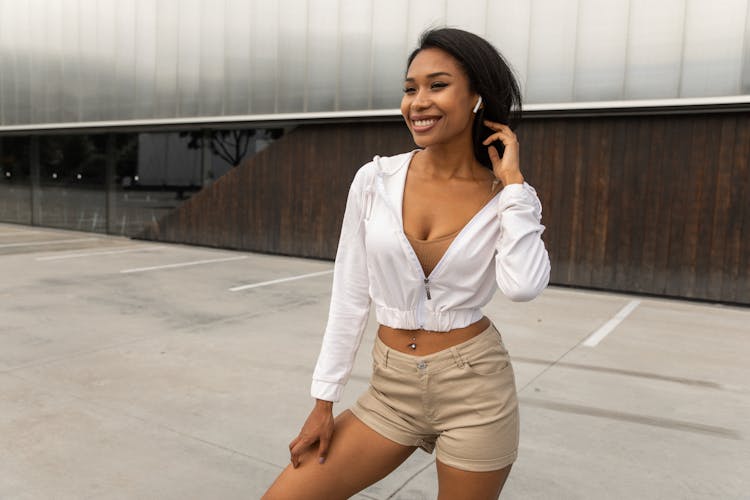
(437, 103)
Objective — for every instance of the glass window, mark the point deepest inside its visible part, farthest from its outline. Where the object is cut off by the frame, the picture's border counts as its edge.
(156, 172)
(229, 148)
(15, 181)
(71, 182)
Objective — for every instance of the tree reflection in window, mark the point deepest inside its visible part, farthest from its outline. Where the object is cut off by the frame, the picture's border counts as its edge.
(232, 146)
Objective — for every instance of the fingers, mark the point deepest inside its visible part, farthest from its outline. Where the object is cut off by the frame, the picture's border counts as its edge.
(323, 448)
(296, 448)
(506, 168)
(503, 133)
(294, 442)
(300, 444)
(494, 155)
(495, 125)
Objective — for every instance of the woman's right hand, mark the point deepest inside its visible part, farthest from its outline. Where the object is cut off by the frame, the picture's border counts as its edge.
(317, 427)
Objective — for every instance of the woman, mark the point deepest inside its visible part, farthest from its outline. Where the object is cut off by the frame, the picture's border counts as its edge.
(428, 237)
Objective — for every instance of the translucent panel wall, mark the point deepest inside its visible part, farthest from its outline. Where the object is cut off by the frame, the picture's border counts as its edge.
(72, 61)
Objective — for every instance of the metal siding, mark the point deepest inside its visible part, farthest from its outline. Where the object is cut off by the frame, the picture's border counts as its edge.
(213, 58)
(601, 50)
(552, 49)
(71, 61)
(145, 65)
(237, 54)
(265, 57)
(389, 25)
(654, 49)
(292, 40)
(355, 56)
(714, 33)
(322, 55)
(514, 39)
(165, 77)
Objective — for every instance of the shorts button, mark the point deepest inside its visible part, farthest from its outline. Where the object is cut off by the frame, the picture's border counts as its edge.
(421, 365)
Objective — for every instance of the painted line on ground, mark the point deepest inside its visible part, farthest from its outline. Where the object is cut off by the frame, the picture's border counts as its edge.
(46, 242)
(281, 280)
(90, 254)
(604, 330)
(16, 233)
(637, 418)
(181, 264)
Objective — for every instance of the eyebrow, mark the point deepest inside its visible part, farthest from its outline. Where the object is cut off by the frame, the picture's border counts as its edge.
(431, 75)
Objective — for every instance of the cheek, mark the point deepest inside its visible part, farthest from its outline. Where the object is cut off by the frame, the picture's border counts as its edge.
(405, 106)
(461, 112)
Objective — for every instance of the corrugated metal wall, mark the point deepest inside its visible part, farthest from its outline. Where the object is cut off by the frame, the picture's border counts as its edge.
(65, 61)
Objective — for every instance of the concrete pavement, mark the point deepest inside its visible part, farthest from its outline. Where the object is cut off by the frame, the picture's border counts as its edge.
(131, 369)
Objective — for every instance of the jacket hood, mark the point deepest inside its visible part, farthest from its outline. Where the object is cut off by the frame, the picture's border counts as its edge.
(389, 165)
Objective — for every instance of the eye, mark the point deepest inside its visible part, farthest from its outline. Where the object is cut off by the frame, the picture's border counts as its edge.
(439, 85)
(408, 90)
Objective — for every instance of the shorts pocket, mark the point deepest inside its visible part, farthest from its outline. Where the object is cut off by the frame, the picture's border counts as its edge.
(489, 361)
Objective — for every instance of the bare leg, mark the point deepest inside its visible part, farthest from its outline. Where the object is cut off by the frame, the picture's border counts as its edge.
(357, 457)
(456, 484)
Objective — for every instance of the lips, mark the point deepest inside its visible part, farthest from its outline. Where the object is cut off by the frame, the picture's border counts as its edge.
(423, 124)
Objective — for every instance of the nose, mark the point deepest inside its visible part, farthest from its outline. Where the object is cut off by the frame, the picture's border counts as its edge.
(421, 100)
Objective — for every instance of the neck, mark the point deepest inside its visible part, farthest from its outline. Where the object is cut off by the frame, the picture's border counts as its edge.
(447, 161)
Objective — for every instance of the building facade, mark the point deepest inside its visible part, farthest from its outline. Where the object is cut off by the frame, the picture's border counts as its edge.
(120, 117)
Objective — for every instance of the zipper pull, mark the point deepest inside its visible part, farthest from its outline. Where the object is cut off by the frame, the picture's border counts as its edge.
(427, 288)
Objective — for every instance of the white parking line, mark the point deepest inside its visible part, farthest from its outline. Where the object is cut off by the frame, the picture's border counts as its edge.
(15, 233)
(89, 254)
(181, 264)
(281, 280)
(610, 325)
(47, 242)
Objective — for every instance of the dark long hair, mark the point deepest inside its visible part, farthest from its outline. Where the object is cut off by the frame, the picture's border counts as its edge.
(489, 75)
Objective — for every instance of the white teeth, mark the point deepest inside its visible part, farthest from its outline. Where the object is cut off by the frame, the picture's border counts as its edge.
(424, 123)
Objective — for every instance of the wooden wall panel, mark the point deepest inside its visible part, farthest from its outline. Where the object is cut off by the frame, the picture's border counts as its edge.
(646, 204)
(651, 204)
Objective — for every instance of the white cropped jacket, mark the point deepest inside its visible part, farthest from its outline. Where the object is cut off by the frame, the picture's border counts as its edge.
(500, 246)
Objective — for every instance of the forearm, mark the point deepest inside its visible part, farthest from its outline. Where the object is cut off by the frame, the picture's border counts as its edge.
(522, 261)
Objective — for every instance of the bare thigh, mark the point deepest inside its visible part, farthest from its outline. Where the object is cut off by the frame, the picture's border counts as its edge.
(357, 457)
(456, 484)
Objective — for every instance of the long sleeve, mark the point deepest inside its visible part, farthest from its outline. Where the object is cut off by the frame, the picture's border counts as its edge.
(350, 302)
(522, 265)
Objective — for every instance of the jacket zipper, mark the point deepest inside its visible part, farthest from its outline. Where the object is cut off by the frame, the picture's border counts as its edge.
(412, 254)
(415, 259)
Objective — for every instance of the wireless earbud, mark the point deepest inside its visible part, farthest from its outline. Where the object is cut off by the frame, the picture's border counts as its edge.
(479, 103)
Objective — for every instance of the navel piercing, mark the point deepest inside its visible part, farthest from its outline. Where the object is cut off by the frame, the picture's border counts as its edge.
(413, 344)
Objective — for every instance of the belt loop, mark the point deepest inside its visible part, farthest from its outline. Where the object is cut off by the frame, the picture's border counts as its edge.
(385, 357)
(457, 357)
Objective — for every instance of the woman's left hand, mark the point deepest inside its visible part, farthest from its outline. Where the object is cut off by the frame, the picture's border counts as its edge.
(507, 168)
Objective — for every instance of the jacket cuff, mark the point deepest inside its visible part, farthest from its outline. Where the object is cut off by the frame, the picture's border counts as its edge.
(327, 391)
(524, 194)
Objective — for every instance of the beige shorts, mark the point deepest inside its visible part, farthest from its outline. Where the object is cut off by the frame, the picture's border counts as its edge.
(460, 401)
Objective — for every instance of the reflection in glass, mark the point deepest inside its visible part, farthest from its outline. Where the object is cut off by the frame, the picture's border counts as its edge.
(157, 172)
(154, 174)
(116, 183)
(15, 185)
(229, 148)
(71, 182)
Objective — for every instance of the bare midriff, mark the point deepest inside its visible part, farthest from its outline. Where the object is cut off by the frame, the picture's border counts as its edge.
(427, 341)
